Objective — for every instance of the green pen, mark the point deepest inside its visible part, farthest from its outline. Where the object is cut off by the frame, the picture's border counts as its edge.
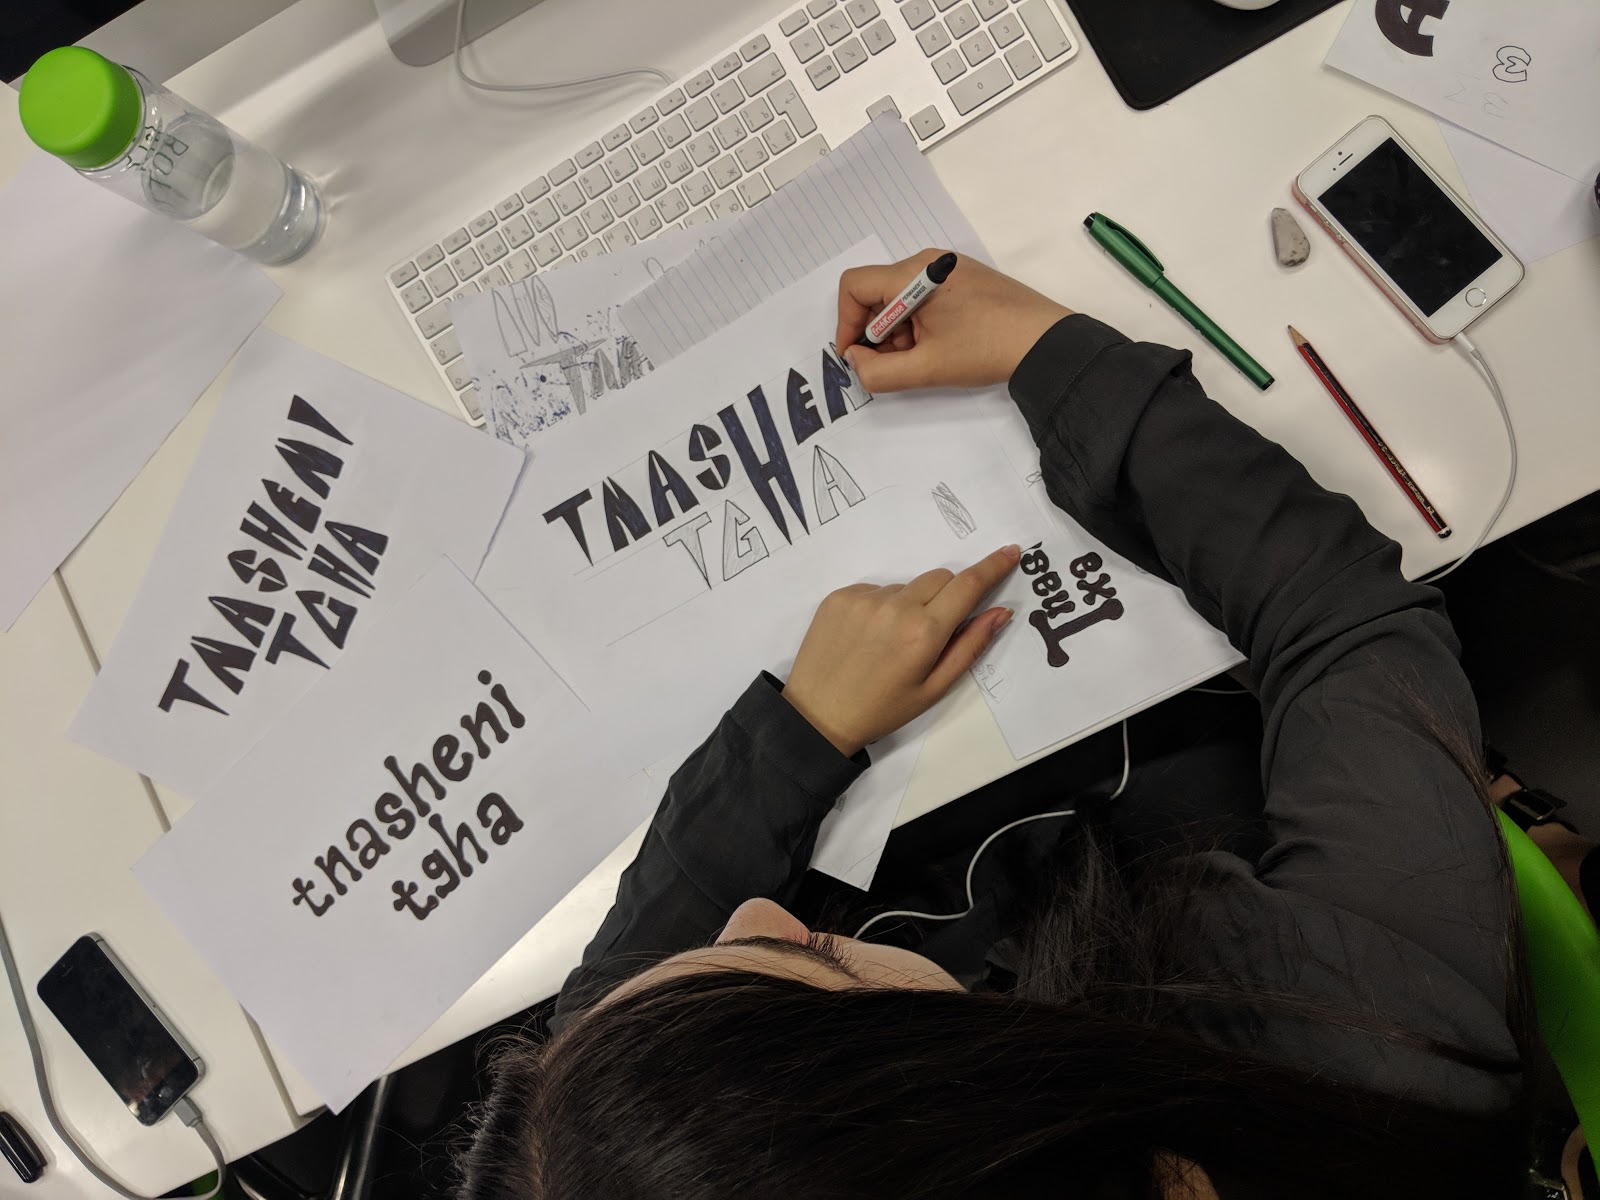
(1135, 256)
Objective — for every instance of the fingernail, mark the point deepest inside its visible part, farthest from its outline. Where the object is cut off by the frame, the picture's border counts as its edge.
(1003, 619)
(850, 353)
(1012, 551)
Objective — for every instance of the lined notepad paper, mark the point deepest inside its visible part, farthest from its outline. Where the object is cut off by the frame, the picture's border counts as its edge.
(875, 184)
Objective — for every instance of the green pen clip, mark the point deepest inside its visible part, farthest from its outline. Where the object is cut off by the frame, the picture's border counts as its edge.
(1139, 261)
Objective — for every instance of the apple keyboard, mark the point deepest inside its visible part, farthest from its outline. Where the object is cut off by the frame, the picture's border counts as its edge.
(727, 136)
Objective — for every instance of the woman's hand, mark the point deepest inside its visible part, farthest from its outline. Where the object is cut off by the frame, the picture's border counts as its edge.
(972, 332)
(878, 657)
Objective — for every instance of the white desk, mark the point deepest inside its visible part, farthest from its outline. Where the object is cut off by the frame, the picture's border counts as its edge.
(402, 151)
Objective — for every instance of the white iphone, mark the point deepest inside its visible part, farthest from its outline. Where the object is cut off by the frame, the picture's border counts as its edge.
(1431, 254)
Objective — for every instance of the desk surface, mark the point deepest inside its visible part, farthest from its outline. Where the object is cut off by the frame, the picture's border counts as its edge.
(400, 151)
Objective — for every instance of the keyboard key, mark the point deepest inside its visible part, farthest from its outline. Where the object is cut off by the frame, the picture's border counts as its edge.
(699, 216)
(517, 231)
(593, 249)
(785, 98)
(917, 13)
(1006, 30)
(546, 250)
(493, 277)
(990, 9)
(807, 46)
(594, 182)
(927, 122)
(755, 48)
(861, 11)
(446, 348)
(982, 86)
(562, 171)
(417, 296)
(481, 224)
(697, 189)
(703, 149)
(671, 102)
(518, 266)
(701, 113)
(466, 264)
(822, 73)
(977, 48)
(511, 204)
(647, 148)
(454, 240)
(441, 281)
(756, 115)
(727, 65)
(434, 321)
(728, 96)
(618, 237)
(878, 37)
(949, 66)
(752, 154)
(730, 132)
(1045, 30)
(699, 83)
(646, 222)
(834, 27)
(779, 138)
(817, 7)
(793, 23)
(1023, 60)
(753, 189)
(883, 108)
(589, 155)
(724, 172)
(492, 247)
(674, 131)
(572, 233)
(676, 165)
(781, 170)
(933, 39)
(639, 122)
(621, 165)
(597, 216)
(650, 183)
(542, 214)
(672, 205)
(569, 199)
(850, 54)
(962, 21)
(403, 274)
(726, 205)
(942, 5)
(624, 200)
(461, 377)
(761, 74)
(616, 137)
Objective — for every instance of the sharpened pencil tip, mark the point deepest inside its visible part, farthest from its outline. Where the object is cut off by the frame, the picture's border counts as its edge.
(1296, 337)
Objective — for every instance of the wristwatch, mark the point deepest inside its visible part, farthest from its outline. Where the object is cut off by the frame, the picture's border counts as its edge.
(1527, 806)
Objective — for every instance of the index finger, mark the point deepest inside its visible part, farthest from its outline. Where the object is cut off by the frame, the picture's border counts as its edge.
(962, 594)
(863, 291)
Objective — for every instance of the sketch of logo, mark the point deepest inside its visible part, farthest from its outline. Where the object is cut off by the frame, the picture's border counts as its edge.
(955, 514)
(1513, 65)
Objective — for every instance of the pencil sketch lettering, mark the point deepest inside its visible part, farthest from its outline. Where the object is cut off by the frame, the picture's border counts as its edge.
(1401, 22)
(1512, 65)
(955, 514)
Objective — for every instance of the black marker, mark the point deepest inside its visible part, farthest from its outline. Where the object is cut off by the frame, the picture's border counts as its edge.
(908, 301)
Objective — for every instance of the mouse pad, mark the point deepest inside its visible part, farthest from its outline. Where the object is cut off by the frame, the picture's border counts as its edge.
(1154, 49)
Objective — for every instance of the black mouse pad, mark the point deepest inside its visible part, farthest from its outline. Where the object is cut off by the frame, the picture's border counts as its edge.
(1154, 49)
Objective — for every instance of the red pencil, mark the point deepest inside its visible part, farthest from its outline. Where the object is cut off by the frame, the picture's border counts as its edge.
(1393, 465)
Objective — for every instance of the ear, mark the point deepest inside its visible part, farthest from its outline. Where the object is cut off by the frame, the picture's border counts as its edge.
(763, 918)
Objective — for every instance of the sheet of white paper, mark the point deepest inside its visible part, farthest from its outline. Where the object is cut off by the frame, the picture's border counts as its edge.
(1524, 75)
(793, 484)
(1094, 638)
(547, 347)
(318, 497)
(347, 906)
(874, 185)
(113, 320)
(1536, 210)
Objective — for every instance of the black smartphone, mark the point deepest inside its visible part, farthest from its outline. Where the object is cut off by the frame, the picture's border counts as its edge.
(125, 1036)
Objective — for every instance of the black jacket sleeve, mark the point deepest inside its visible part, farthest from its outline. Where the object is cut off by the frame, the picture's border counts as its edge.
(1384, 882)
(739, 819)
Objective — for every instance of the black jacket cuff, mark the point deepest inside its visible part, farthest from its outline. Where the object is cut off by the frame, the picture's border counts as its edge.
(790, 742)
(1053, 366)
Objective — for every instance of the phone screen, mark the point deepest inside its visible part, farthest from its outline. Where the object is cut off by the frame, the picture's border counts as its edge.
(1416, 233)
(116, 1028)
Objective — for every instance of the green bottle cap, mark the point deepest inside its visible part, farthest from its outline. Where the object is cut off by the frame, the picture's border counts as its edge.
(81, 107)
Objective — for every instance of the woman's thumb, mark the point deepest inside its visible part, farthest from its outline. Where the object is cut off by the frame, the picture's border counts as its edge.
(888, 370)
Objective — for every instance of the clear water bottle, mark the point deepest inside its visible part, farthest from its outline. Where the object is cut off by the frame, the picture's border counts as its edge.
(122, 131)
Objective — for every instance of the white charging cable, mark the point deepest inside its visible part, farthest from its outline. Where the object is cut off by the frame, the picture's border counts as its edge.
(1127, 766)
(1464, 344)
(185, 1108)
(484, 85)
